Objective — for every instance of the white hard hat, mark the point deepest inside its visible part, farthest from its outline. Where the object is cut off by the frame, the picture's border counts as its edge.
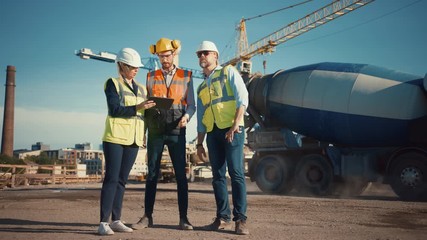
(130, 57)
(207, 46)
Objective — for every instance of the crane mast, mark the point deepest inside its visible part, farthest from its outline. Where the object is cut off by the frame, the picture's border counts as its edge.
(242, 43)
(267, 44)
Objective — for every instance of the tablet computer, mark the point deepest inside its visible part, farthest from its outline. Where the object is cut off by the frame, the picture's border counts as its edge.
(164, 103)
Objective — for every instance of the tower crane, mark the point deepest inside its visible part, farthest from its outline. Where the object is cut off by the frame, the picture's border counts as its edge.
(150, 63)
(266, 44)
(309, 22)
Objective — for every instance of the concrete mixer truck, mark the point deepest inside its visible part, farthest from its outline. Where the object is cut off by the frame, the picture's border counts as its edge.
(333, 128)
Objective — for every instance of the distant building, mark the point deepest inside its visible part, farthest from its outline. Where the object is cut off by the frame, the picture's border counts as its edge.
(55, 154)
(83, 146)
(77, 158)
(40, 146)
(93, 160)
(83, 154)
(90, 154)
(70, 156)
(23, 153)
(93, 166)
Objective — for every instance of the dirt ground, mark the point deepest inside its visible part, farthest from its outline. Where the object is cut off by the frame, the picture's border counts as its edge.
(72, 212)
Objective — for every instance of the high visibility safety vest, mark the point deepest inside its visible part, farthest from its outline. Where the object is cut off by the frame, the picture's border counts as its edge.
(218, 100)
(166, 121)
(126, 130)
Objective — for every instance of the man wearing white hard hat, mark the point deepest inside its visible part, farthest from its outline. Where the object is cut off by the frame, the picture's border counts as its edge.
(222, 99)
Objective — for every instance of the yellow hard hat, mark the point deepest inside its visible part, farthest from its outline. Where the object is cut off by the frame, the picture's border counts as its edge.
(165, 44)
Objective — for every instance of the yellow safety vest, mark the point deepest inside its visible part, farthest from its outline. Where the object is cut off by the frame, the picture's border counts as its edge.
(126, 130)
(218, 100)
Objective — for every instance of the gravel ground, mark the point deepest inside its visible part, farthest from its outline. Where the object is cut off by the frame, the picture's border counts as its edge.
(72, 212)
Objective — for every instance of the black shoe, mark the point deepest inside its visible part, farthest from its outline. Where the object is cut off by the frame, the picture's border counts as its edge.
(144, 222)
(184, 224)
(218, 224)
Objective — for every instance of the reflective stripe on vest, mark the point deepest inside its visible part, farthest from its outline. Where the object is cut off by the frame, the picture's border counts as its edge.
(156, 86)
(126, 130)
(218, 100)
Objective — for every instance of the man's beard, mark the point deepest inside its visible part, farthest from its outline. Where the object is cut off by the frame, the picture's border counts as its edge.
(166, 65)
(203, 64)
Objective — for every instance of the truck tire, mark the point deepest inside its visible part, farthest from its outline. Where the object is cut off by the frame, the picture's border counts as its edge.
(408, 176)
(314, 175)
(274, 174)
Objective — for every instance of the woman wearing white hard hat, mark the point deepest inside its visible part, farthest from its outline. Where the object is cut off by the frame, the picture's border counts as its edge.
(123, 135)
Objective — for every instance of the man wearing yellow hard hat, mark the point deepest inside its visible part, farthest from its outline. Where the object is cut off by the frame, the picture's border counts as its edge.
(168, 127)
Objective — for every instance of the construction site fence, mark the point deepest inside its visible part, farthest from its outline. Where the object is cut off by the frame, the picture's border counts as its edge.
(17, 175)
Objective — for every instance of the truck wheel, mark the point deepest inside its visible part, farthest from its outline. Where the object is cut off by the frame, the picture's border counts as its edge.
(274, 175)
(314, 175)
(409, 176)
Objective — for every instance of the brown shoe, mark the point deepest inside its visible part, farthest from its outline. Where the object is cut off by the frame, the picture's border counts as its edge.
(144, 222)
(218, 224)
(241, 228)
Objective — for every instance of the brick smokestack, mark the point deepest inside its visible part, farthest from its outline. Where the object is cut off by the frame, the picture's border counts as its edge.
(9, 111)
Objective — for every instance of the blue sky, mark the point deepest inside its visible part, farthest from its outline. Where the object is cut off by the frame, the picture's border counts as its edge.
(59, 98)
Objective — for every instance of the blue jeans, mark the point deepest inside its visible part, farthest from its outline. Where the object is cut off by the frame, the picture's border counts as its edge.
(119, 160)
(177, 151)
(223, 154)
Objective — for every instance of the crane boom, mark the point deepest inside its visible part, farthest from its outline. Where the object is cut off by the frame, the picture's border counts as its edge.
(315, 19)
(150, 64)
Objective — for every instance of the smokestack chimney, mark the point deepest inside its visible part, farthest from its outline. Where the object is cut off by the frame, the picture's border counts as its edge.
(8, 116)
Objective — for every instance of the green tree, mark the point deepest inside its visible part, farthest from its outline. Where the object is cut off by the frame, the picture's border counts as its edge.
(4, 159)
(42, 159)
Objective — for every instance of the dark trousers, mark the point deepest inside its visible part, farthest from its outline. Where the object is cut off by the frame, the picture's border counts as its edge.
(119, 160)
(176, 148)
